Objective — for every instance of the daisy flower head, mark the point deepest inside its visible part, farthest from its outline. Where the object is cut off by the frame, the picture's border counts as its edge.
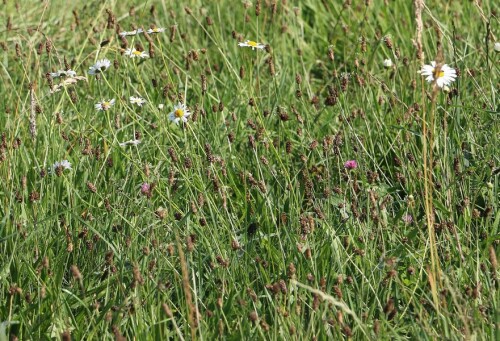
(496, 47)
(131, 33)
(68, 73)
(133, 142)
(155, 30)
(254, 45)
(105, 105)
(180, 112)
(59, 166)
(443, 76)
(132, 53)
(99, 67)
(387, 63)
(137, 100)
(60, 73)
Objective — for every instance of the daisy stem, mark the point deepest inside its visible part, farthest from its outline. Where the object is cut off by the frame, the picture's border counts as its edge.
(107, 111)
(432, 119)
(433, 275)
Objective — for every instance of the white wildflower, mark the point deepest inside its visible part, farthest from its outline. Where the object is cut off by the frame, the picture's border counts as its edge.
(443, 76)
(180, 112)
(99, 67)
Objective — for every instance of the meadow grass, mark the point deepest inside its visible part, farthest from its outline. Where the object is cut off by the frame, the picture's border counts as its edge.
(245, 222)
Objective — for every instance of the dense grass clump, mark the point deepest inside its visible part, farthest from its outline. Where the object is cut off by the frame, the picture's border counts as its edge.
(270, 170)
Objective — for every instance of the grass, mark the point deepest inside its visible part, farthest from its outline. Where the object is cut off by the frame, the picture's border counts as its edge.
(250, 226)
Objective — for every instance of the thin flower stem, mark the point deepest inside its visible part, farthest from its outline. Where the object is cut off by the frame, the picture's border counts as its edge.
(428, 187)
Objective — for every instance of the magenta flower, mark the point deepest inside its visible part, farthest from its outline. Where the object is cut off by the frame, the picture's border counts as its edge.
(351, 164)
(145, 189)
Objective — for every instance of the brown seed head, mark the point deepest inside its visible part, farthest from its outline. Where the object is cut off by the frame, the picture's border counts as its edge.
(75, 272)
(91, 187)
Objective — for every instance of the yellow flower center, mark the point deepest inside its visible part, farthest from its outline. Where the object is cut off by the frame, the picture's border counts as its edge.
(137, 53)
(105, 105)
(179, 113)
(252, 43)
(438, 74)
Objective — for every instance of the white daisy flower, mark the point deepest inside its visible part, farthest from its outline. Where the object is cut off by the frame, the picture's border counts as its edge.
(67, 82)
(134, 142)
(443, 76)
(61, 165)
(55, 74)
(68, 73)
(387, 63)
(99, 67)
(105, 105)
(60, 73)
(254, 45)
(137, 100)
(161, 106)
(156, 30)
(180, 112)
(131, 33)
(132, 53)
(496, 47)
